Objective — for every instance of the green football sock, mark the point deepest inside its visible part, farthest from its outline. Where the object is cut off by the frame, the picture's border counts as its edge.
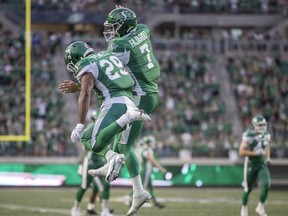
(131, 162)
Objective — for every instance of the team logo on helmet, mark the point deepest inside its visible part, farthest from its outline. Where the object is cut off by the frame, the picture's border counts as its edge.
(259, 124)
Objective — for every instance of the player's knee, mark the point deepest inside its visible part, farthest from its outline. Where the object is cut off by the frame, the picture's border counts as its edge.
(249, 190)
(266, 186)
(106, 186)
(97, 148)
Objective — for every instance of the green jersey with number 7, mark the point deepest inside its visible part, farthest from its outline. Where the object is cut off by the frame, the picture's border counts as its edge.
(136, 53)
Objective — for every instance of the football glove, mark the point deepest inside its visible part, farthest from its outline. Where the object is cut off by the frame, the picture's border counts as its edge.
(268, 161)
(75, 135)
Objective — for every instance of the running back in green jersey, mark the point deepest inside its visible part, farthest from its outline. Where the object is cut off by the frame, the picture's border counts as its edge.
(256, 142)
(111, 78)
(136, 53)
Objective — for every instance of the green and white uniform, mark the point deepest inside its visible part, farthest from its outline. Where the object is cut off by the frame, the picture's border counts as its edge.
(135, 52)
(96, 161)
(92, 161)
(113, 85)
(255, 167)
(146, 166)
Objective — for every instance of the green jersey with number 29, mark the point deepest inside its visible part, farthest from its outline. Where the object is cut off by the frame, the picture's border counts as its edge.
(135, 52)
(256, 142)
(111, 78)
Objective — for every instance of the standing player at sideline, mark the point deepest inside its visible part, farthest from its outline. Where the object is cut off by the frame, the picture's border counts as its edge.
(105, 74)
(255, 146)
(131, 43)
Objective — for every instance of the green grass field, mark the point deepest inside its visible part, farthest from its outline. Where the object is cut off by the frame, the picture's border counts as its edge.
(179, 202)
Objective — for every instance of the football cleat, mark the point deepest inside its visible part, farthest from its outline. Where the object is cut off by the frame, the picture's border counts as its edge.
(111, 169)
(91, 212)
(106, 212)
(75, 211)
(137, 115)
(244, 211)
(137, 201)
(260, 210)
(101, 172)
(160, 205)
(115, 165)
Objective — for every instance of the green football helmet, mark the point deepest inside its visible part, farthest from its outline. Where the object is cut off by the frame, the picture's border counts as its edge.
(120, 22)
(74, 53)
(259, 124)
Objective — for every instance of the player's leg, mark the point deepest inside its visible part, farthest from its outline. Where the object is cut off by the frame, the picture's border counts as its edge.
(152, 193)
(108, 124)
(104, 131)
(92, 199)
(106, 211)
(86, 181)
(147, 184)
(147, 103)
(264, 180)
(250, 175)
(112, 119)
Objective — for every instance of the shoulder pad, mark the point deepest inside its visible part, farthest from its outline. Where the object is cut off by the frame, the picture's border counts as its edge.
(103, 53)
(82, 63)
(117, 45)
(249, 133)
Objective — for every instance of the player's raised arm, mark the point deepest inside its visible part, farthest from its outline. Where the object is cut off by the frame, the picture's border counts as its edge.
(87, 83)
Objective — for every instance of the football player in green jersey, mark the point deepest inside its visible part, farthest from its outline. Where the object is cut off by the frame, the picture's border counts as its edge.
(255, 148)
(105, 74)
(89, 160)
(148, 161)
(131, 43)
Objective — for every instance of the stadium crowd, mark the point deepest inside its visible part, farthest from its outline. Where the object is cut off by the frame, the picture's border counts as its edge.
(191, 114)
(261, 85)
(49, 131)
(174, 6)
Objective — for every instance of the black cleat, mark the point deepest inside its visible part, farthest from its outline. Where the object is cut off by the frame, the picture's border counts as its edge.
(91, 212)
(160, 205)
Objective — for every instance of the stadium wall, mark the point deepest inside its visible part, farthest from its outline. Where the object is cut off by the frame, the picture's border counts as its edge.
(202, 172)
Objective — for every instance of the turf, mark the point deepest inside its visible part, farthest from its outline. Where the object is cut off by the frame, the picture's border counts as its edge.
(178, 201)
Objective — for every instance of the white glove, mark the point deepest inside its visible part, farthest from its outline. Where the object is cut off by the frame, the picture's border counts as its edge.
(80, 170)
(260, 152)
(268, 161)
(75, 135)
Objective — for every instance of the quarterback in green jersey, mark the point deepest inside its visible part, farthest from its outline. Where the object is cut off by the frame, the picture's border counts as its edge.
(105, 74)
(131, 43)
(255, 148)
